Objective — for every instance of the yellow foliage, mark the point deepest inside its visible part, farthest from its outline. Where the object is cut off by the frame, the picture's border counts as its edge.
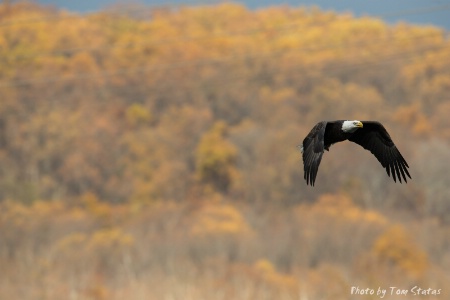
(333, 99)
(396, 247)
(101, 244)
(341, 208)
(413, 117)
(15, 213)
(269, 275)
(264, 266)
(80, 91)
(216, 219)
(442, 122)
(327, 282)
(95, 207)
(20, 215)
(108, 239)
(83, 62)
(137, 114)
(47, 208)
(216, 157)
(72, 243)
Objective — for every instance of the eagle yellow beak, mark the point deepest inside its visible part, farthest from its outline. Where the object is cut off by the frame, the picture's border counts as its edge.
(360, 125)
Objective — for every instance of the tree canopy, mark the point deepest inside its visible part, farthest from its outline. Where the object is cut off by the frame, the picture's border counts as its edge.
(134, 141)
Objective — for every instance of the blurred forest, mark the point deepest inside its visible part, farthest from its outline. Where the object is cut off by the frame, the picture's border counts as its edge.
(150, 153)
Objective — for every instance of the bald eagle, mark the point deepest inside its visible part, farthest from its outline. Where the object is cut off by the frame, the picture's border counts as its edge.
(371, 135)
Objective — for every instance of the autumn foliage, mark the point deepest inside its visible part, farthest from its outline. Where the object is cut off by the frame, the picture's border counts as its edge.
(150, 153)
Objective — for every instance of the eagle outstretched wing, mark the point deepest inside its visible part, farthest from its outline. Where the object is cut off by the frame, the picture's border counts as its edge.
(312, 148)
(374, 137)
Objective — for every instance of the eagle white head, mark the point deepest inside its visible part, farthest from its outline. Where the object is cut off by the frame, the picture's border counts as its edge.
(351, 126)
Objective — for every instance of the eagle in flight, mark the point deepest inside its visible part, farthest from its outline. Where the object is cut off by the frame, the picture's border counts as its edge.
(371, 135)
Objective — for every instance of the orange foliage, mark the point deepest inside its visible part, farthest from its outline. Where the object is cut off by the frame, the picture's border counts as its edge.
(396, 247)
(217, 219)
(413, 117)
(155, 157)
(216, 158)
(341, 208)
(136, 115)
(266, 272)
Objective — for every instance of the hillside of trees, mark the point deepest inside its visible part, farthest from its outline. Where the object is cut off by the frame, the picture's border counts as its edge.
(151, 153)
